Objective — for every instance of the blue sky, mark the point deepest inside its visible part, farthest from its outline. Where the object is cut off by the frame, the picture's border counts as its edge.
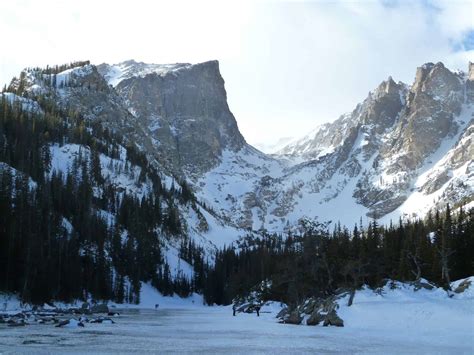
(288, 65)
(467, 43)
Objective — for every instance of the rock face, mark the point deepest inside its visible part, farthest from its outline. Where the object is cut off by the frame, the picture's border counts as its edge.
(184, 108)
(433, 101)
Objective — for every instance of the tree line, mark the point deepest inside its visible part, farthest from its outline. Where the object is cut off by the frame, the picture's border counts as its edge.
(317, 262)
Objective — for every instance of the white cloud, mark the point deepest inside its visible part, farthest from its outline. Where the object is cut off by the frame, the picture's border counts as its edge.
(288, 66)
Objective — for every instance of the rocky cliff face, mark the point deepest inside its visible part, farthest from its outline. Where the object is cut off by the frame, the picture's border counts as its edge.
(184, 109)
(433, 102)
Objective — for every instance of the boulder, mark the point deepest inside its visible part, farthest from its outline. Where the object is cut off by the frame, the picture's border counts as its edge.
(100, 308)
(422, 285)
(283, 313)
(70, 323)
(20, 323)
(293, 318)
(310, 305)
(463, 286)
(315, 318)
(333, 319)
(62, 323)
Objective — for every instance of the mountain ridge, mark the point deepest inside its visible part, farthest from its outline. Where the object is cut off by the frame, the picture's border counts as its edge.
(179, 116)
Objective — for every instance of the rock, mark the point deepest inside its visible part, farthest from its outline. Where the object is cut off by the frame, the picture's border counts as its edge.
(293, 318)
(190, 102)
(422, 285)
(333, 319)
(100, 308)
(315, 318)
(463, 286)
(70, 323)
(17, 324)
(283, 313)
(85, 306)
(62, 323)
(310, 305)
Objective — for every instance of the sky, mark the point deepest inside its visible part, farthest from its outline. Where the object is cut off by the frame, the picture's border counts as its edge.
(288, 65)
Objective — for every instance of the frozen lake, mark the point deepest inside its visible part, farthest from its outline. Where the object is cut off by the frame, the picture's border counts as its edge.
(214, 330)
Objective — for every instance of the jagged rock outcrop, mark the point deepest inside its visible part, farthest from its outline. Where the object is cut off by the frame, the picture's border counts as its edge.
(433, 101)
(184, 108)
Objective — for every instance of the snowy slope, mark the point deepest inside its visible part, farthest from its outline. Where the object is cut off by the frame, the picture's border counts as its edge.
(27, 105)
(115, 73)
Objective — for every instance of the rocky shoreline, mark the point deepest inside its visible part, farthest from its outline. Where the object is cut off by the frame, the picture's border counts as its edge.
(60, 317)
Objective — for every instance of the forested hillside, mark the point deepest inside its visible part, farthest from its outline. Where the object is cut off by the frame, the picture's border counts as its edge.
(75, 234)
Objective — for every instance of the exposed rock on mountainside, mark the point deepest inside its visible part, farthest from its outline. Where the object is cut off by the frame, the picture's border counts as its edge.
(184, 108)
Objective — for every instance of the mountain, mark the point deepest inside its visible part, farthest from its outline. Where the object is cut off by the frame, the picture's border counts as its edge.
(411, 145)
(403, 150)
(142, 174)
(88, 207)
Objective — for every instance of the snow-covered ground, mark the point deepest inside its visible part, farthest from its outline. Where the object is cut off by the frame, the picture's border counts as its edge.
(396, 321)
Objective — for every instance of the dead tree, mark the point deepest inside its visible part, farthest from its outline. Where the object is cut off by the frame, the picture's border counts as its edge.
(417, 262)
(444, 254)
(356, 270)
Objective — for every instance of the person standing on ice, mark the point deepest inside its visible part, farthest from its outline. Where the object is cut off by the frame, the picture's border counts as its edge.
(257, 308)
(233, 310)
(156, 306)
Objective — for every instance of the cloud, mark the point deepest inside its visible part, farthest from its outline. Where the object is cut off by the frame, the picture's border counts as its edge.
(288, 66)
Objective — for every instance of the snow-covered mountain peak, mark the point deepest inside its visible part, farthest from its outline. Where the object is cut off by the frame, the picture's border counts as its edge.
(116, 73)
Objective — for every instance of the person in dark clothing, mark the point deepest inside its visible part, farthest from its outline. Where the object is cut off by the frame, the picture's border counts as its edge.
(156, 306)
(257, 308)
(233, 310)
